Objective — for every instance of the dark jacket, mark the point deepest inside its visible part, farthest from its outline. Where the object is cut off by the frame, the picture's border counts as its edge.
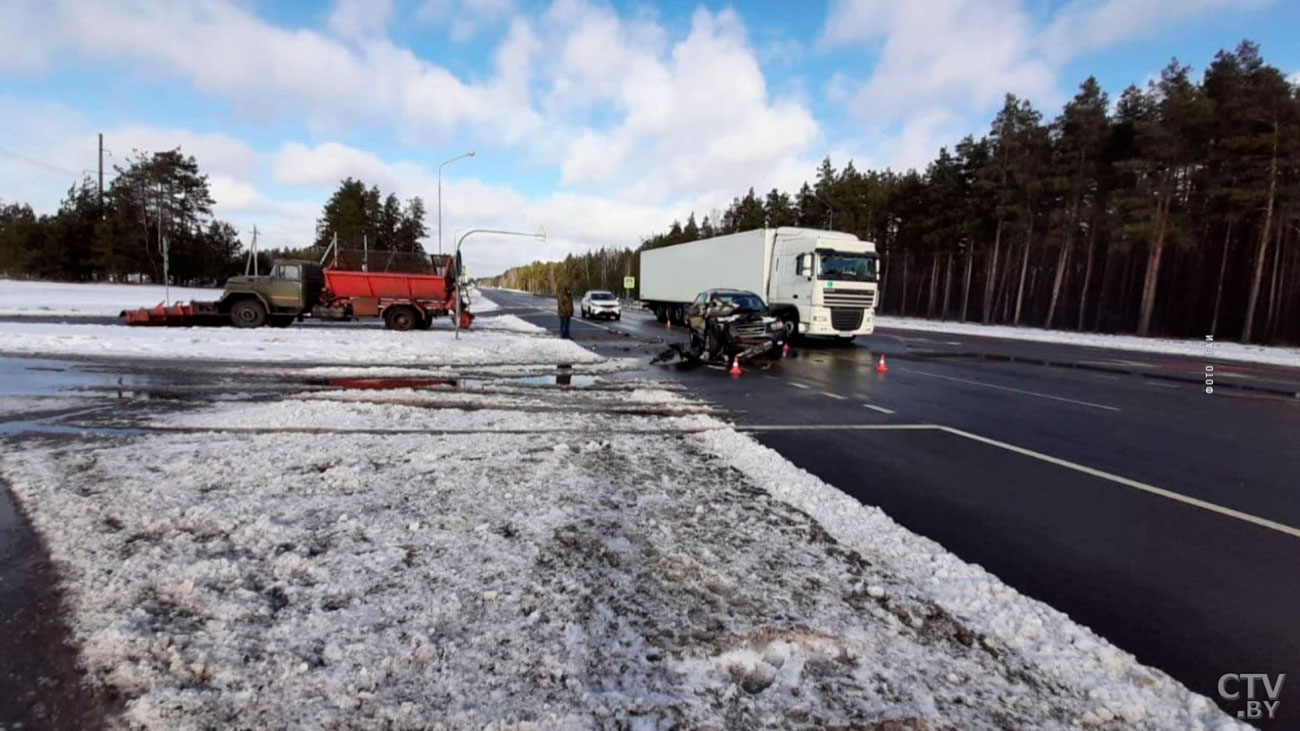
(566, 305)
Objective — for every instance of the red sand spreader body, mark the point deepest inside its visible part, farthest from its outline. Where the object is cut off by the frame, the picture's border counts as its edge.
(296, 289)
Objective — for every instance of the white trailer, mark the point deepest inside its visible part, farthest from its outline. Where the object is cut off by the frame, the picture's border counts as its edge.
(819, 282)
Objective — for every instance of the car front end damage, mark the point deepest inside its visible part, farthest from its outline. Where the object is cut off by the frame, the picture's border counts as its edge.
(722, 335)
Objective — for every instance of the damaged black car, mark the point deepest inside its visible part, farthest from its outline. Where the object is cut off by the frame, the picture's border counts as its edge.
(727, 325)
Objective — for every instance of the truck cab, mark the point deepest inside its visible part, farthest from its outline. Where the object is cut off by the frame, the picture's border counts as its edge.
(823, 283)
(290, 289)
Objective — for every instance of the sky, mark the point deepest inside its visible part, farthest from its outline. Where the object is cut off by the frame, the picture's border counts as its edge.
(596, 123)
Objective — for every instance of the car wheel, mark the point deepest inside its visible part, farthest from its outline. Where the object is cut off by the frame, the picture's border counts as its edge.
(248, 313)
(712, 346)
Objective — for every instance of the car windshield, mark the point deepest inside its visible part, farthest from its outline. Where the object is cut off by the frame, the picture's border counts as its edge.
(850, 267)
(742, 300)
(602, 296)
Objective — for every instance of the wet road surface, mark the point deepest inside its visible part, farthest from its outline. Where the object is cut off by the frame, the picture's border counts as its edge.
(1106, 483)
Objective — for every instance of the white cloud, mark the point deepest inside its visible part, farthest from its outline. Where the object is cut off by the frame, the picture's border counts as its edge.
(360, 18)
(573, 221)
(944, 65)
(226, 51)
(464, 18)
(695, 116)
(956, 53)
(1089, 25)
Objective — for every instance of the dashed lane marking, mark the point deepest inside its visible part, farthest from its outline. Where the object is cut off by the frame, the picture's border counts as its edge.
(881, 409)
(796, 384)
(833, 395)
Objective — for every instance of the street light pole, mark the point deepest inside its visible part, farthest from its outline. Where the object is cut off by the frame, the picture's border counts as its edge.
(540, 236)
(444, 162)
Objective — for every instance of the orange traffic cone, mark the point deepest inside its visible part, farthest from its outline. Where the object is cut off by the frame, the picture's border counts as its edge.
(881, 367)
(735, 366)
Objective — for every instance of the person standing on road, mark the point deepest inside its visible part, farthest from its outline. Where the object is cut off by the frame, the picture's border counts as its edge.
(566, 312)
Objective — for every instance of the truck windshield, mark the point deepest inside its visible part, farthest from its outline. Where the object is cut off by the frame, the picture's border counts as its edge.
(851, 267)
(742, 301)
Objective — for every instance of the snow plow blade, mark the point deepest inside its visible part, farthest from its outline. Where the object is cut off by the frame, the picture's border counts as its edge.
(189, 314)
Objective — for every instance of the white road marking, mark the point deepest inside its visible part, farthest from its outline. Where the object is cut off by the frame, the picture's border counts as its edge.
(1012, 390)
(1084, 469)
(833, 395)
(1106, 376)
(1144, 487)
(796, 384)
(1164, 385)
(881, 409)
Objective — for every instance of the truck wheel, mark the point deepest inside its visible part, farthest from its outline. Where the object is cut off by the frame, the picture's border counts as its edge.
(248, 313)
(677, 315)
(401, 318)
(791, 321)
(661, 314)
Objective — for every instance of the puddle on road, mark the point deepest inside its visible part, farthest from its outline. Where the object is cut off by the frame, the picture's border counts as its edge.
(36, 377)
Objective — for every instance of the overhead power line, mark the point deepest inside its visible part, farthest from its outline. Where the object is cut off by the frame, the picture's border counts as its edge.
(36, 161)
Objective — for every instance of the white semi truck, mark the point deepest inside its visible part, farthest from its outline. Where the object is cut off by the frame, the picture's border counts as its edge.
(819, 283)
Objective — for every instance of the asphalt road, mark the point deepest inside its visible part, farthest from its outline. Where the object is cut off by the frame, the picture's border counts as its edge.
(1105, 483)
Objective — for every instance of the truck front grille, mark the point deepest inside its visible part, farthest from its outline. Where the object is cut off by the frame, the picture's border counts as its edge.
(846, 318)
(849, 297)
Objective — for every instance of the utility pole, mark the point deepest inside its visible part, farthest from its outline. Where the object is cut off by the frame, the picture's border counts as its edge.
(162, 245)
(101, 174)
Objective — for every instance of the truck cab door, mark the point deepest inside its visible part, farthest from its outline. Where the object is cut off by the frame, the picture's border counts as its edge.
(286, 287)
(789, 287)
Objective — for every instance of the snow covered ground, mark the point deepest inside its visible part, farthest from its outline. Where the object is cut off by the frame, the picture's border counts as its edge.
(23, 298)
(1223, 350)
(294, 344)
(594, 568)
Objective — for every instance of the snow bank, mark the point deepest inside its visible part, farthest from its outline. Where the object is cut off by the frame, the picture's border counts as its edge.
(1223, 350)
(551, 579)
(24, 298)
(480, 304)
(318, 345)
(386, 411)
